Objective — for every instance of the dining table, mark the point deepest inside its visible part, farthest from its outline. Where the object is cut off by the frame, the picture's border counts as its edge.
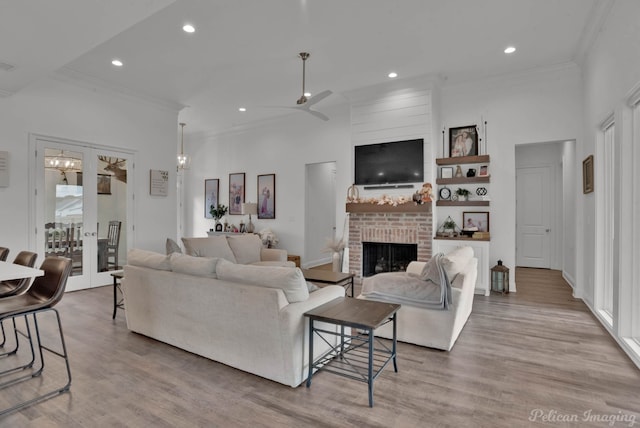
(10, 271)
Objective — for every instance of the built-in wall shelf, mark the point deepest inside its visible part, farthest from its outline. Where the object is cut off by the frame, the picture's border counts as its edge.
(409, 207)
(444, 203)
(464, 180)
(463, 159)
(461, 238)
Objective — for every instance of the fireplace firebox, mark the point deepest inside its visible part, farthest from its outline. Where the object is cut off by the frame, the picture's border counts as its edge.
(378, 257)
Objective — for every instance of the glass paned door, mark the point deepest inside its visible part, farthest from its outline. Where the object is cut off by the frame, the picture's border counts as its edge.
(82, 209)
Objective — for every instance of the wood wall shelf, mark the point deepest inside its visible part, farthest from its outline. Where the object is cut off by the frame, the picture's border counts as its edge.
(375, 208)
(463, 160)
(460, 238)
(464, 180)
(462, 203)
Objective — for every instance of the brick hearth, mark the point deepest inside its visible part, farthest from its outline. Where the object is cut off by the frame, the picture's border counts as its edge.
(393, 225)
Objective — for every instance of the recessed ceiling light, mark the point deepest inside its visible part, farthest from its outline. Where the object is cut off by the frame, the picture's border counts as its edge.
(117, 62)
(393, 74)
(242, 109)
(188, 28)
(509, 50)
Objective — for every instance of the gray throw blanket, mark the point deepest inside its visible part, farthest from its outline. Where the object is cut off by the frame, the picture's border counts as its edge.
(432, 290)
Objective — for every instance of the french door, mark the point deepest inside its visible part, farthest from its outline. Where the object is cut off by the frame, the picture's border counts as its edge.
(83, 201)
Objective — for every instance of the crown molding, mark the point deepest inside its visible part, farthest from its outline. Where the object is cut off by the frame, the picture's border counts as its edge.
(595, 21)
(87, 81)
(516, 76)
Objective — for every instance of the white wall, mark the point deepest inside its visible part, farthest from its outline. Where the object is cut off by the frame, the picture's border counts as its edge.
(282, 147)
(538, 106)
(611, 74)
(94, 115)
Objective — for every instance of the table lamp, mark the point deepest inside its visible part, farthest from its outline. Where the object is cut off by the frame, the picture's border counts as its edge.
(249, 208)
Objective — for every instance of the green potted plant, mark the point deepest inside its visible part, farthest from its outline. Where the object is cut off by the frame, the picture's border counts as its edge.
(463, 194)
(449, 227)
(217, 213)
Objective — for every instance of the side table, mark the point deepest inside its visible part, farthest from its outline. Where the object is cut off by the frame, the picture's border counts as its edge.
(294, 258)
(356, 356)
(117, 276)
(321, 276)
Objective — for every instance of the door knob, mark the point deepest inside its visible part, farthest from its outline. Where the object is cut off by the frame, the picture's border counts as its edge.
(93, 233)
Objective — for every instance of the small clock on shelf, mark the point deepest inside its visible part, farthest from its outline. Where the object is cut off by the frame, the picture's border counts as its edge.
(445, 193)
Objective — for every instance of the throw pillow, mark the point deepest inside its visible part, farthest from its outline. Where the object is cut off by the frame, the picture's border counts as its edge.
(455, 261)
(172, 247)
(198, 266)
(290, 281)
(246, 248)
(213, 246)
(148, 259)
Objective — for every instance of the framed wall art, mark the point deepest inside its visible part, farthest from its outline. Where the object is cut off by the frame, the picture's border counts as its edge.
(104, 184)
(158, 182)
(446, 172)
(472, 219)
(267, 196)
(587, 175)
(236, 193)
(463, 141)
(211, 195)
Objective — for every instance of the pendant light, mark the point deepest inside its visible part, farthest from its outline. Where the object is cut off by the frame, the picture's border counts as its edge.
(184, 161)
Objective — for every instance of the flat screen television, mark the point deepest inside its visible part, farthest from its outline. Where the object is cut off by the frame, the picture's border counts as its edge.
(398, 162)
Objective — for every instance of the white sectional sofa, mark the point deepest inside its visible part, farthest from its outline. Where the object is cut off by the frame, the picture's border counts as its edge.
(248, 317)
(431, 327)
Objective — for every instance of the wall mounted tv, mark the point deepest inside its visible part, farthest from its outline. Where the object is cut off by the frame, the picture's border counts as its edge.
(398, 162)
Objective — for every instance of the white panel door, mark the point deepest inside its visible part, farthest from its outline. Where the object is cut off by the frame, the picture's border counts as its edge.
(533, 214)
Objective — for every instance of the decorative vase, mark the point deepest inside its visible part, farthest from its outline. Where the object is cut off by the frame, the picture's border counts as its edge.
(336, 261)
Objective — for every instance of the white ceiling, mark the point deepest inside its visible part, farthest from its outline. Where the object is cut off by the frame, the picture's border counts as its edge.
(244, 52)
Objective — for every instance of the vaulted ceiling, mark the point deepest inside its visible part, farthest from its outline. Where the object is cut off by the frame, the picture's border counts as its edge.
(244, 53)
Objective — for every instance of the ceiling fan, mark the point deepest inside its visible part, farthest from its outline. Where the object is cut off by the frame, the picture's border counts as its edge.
(304, 103)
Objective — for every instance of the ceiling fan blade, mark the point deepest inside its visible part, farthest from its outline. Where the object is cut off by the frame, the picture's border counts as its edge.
(318, 97)
(317, 114)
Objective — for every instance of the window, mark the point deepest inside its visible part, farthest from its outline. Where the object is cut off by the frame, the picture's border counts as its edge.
(606, 220)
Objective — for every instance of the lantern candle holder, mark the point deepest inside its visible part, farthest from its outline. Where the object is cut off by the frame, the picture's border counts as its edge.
(500, 278)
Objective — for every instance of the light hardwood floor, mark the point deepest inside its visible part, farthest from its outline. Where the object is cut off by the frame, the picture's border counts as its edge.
(535, 349)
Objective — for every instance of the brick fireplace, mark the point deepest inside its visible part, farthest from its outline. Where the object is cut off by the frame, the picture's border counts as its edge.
(403, 224)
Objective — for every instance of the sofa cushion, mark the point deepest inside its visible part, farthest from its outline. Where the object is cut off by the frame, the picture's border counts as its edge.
(213, 246)
(148, 259)
(172, 246)
(198, 266)
(291, 281)
(246, 248)
(455, 261)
